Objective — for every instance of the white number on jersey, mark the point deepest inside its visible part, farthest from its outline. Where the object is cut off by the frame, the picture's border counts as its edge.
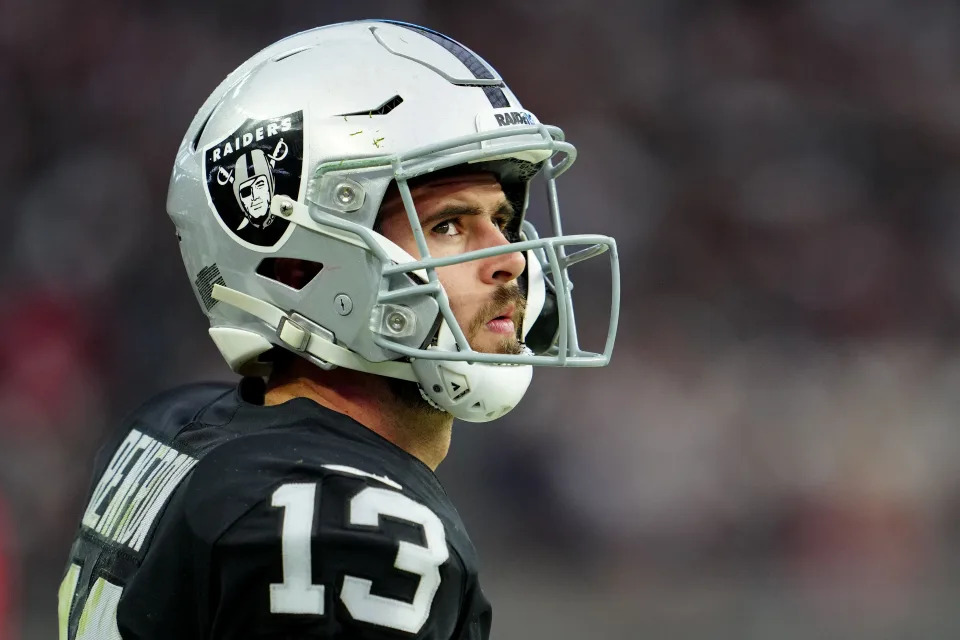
(99, 618)
(297, 594)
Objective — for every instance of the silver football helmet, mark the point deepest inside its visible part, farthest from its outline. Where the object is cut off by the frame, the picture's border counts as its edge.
(291, 156)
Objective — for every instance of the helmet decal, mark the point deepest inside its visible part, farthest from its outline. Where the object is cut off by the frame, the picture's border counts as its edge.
(246, 169)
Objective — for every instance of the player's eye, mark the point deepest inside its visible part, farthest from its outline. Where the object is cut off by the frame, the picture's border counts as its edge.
(446, 228)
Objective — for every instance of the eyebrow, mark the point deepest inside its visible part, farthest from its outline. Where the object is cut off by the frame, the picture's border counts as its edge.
(457, 210)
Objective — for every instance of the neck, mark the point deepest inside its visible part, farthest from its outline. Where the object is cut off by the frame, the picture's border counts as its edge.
(384, 406)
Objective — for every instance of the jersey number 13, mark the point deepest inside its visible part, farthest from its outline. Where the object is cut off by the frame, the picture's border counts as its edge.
(298, 595)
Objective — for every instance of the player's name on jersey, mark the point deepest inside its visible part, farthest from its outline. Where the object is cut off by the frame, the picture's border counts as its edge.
(132, 491)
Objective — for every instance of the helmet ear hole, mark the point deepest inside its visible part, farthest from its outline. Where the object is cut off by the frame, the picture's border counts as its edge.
(295, 273)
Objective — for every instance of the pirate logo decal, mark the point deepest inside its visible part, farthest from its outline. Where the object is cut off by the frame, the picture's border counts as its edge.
(261, 159)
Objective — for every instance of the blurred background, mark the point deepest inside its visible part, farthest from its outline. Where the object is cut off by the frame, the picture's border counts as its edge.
(773, 452)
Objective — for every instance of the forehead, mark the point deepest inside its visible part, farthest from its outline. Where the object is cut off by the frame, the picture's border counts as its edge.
(431, 192)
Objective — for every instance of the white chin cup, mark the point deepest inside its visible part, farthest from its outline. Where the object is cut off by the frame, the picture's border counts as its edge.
(472, 392)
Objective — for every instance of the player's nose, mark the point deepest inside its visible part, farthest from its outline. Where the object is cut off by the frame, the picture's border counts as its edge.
(502, 268)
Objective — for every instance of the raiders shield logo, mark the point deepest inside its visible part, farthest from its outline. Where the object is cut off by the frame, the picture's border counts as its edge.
(245, 170)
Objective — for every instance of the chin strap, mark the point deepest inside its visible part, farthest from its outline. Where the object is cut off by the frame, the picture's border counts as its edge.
(302, 340)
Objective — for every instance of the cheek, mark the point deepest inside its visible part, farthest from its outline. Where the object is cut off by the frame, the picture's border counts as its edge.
(461, 284)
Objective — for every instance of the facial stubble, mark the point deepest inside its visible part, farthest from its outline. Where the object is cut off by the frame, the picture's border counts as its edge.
(408, 393)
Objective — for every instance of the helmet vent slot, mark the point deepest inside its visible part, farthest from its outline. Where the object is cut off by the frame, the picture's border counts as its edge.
(196, 138)
(382, 110)
(292, 272)
(288, 54)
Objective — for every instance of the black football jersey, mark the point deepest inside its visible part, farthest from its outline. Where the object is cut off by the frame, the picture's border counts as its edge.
(212, 516)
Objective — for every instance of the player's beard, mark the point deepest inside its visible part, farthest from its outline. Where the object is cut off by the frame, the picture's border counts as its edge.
(408, 393)
(503, 296)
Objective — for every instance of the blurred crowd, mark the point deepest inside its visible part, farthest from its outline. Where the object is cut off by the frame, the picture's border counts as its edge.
(772, 452)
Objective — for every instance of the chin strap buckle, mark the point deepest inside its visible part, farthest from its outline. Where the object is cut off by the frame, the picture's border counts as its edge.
(293, 335)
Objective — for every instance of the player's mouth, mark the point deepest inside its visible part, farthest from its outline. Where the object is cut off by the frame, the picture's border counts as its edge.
(503, 322)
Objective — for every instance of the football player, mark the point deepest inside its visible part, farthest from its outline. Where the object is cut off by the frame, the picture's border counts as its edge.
(390, 285)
